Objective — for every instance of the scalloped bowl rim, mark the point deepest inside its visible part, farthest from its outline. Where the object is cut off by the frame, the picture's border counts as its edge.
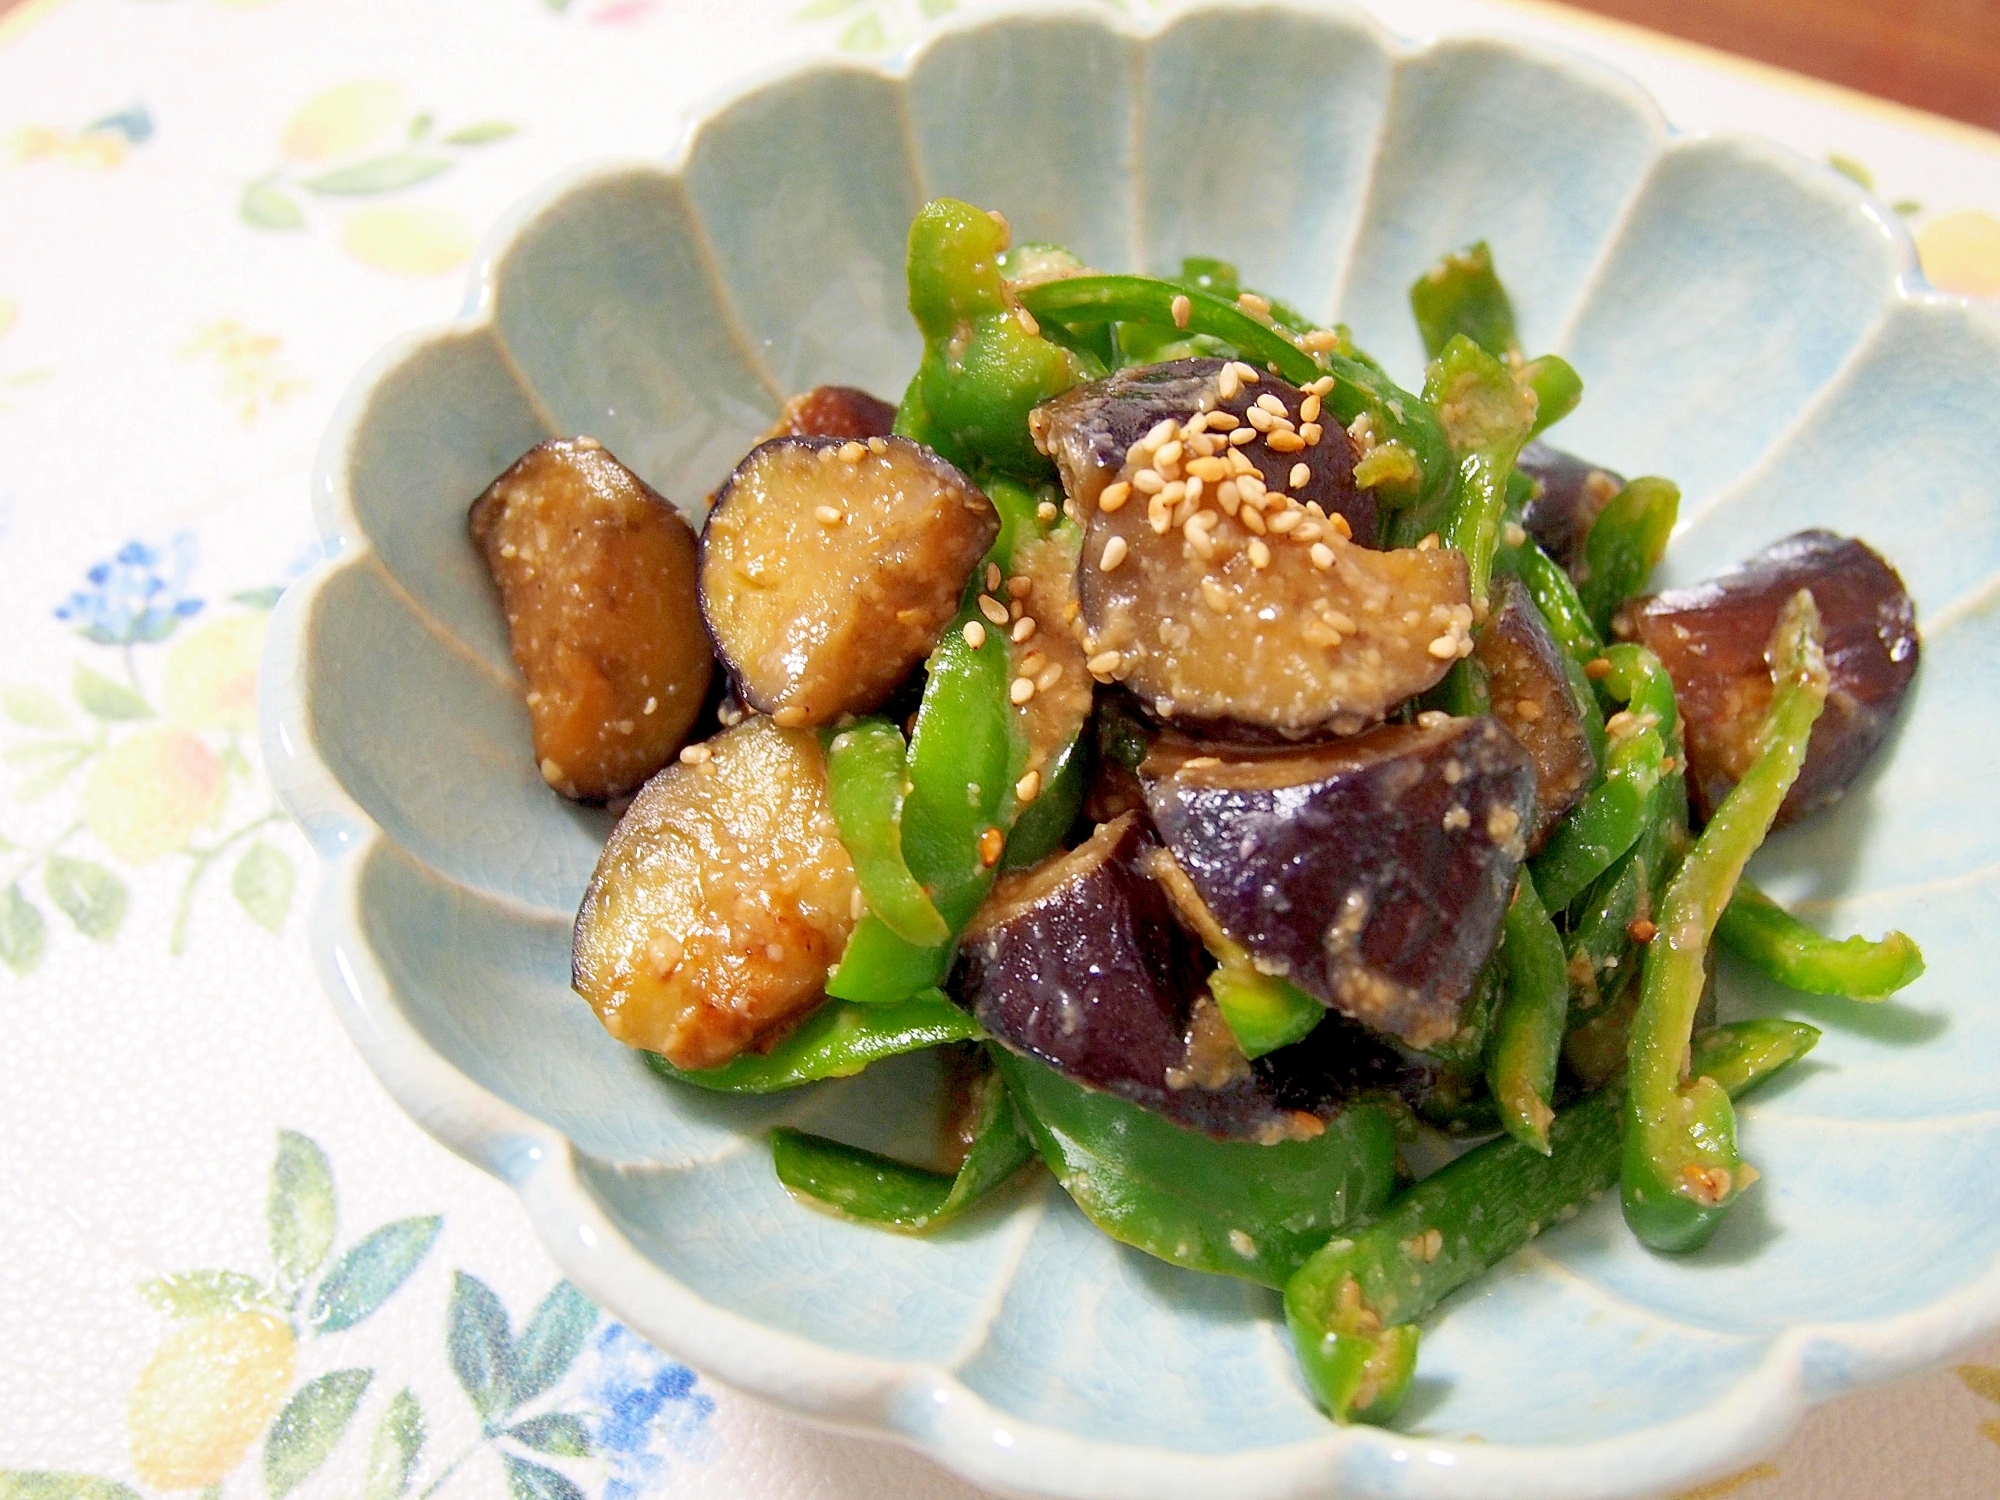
(921, 1405)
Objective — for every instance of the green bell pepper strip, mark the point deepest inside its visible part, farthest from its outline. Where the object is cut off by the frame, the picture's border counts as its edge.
(1611, 817)
(1039, 831)
(837, 1041)
(1625, 544)
(879, 1190)
(1486, 418)
(1600, 938)
(1358, 386)
(1527, 1035)
(1681, 1168)
(1781, 947)
(1262, 1011)
(1555, 596)
(865, 770)
(1352, 1308)
(1462, 295)
(1462, 692)
(1231, 1207)
(983, 368)
(1557, 387)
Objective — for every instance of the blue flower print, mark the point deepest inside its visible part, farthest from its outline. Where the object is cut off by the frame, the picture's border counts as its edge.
(645, 1413)
(136, 596)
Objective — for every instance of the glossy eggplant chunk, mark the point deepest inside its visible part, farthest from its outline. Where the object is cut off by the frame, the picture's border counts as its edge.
(1221, 597)
(720, 901)
(1569, 492)
(1372, 872)
(1712, 638)
(829, 568)
(596, 574)
(1081, 964)
(839, 411)
(1529, 687)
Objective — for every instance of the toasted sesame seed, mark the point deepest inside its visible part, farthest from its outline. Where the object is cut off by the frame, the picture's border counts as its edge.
(1161, 431)
(1310, 434)
(1527, 710)
(1105, 663)
(1198, 537)
(1027, 320)
(828, 454)
(1032, 664)
(1309, 408)
(857, 904)
(1260, 554)
(1242, 436)
(992, 577)
(1194, 487)
(1016, 610)
(1308, 530)
(1429, 543)
(1319, 633)
(1113, 555)
(1341, 524)
(1258, 418)
(1250, 485)
(1514, 534)
(694, 755)
(1252, 518)
(993, 609)
(1273, 405)
(1167, 455)
(1228, 496)
(1245, 373)
(1282, 441)
(1215, 596)
(1201, 445)
(1173, 492)
(1227, 384)
(1640, 930)
(1181, 309)
(1020, 690)
(1048, 677)
(827, 515)
(1322, 556)
(1285, 520)
(1222, 421)
(588, 444)
(1301, 476)
(1046, 513)
(1342, 622)
(1115, 495)
(992, 844)
(1210, 469)
(1319, 341)
(1597, 668)
(1148, 482)
(1019, 586)
(1321, 387)
(1159, 514)
(975, 634)
(1253, 304)
(1444, 648)
(852, 452)
(878, 446)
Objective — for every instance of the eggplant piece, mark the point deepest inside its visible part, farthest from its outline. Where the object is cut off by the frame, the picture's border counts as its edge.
(1569, 493)
(1081, 964)
(596, 574)
(1712, 637)
(720, 901)
(1220, 593)
(829, 568)
(1534, 696)
(838, 411)
(1371, 872)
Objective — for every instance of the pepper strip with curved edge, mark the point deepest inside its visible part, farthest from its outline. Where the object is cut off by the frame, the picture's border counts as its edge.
(1486, 418)
(1352, 1308)
(836, 1041)
(1262, 1011)
(1554, 595)
(1557, 386)
(1527, 1036)
(875, 1189)
(1681, 1168)
(866, 764)
(1625, 544)
(985, 367)
(1461, 294)
(1610, 819)
(1601, 937)
(1781, 947)
(1236, 1208)
(1395, 414)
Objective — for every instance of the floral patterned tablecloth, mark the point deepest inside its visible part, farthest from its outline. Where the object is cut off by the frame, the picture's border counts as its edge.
(227, 1263)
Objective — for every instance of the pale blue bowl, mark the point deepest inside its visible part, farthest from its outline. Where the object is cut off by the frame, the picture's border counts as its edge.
(1746, 322)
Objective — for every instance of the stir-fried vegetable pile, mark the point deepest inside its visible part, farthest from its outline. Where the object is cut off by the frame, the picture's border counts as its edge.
(1229, 758)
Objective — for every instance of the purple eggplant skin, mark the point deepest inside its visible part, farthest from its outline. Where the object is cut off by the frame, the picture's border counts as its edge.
(1080, 963)
(1712, 636)
(1373, 872)
(1087, 431)
(1528, 684)
(1569, 492)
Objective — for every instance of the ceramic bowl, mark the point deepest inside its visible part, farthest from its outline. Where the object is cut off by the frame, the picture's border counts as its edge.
(1746, 321)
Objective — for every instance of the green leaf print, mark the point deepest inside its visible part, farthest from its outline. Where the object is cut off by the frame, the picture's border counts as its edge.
(89, 895)
(299, 1210)
(197, 1294)
(551, 1342)
(557, 1432)
(265, 598)
(480, 1346)
(481, 133)
(262, 884)
(49, 1484)
(822, 10)
(369, 1273)
(866, 34)
(22, 931)
(526, 1481)
(263, 206)
(379, 174)
(38, 708)
(392, 1454)
(311, 1423)
(104, 699)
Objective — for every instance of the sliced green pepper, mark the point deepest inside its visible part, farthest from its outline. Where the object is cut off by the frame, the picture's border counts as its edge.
(1557, 387)
(1681, 1168)
(1610, 819)
(1232, 1207)
(1352, 1308)
(1625, 544)
(880, 1190)
(1486, 418)
(1462, 295)
(1554, 595)
(1527, 1034)
(837, 1041)
(985, 367)
(1263, 1012)
(1601, 939)
(1762, 933)
(865, 771)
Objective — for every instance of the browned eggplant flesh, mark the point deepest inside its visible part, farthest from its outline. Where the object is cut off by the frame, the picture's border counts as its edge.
(1568, 494)
(1712, 639)
(1531, 688)
(721, 900)
(1082, 964)
(1372, 872)
(596, 574)
(838, 411)
(1222, 579)
(829, 567)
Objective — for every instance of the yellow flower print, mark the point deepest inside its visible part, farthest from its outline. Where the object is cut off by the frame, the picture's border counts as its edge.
(1961, 253)
(408, 241)
(253, 377)
(104, 142)
(340, 122)
(151, 791)
(205, 1395)
(210, 680)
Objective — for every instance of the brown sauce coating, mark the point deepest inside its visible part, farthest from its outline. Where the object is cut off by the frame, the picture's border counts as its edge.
(1529, 688)
(839, 411)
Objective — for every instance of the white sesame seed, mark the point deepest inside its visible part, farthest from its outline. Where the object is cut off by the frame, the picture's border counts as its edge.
(1167, 455)
(1341, 524)
(1215, 596)
(1182, 309)
(1174, 493)
(1282, 441)
(1031, 664)
(1027, 320)
(1227, 383)
(1220, 420)
(1429, 543)
(1113, 555)
(1228, 496)
(1023, 629)
(975, 634)
(1514, 533)
(1310, 434)
(1273, 405)
(828, 454)
(992, 577)
(852, 452)
(1148, 482)
(1444, 648)
(1252, 518)
(1253, 304)
(1309, 408)
(1020, 690)
(1258, 418)
(1162, 431)
(1019, 587)
(1260, 554)
(694, 755)
(1341, 622)
(1048, 677)
(993, 609)
(1241, 436)
(1319, 341)
(589, 444)
(1250, 485)
(878, 446)
(1245, 373)
(1046, 513)
(1285, 520)
(1321, 387)
(1105, 663)
(1194, 484)
(1322, 556)
(1115, 495)
(1028, 787)
(1301, 476)
(826, 515)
